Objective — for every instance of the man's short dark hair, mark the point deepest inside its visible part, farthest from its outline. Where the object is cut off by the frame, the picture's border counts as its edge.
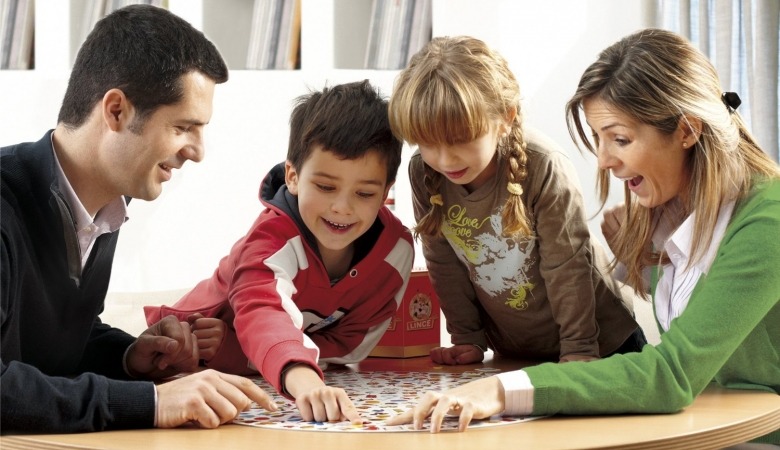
(144, 51)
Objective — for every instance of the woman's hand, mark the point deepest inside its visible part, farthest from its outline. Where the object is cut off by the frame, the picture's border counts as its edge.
(478, 399)
(611, 223)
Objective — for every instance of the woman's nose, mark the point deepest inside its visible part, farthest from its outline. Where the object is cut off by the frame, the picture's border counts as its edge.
(606, 159)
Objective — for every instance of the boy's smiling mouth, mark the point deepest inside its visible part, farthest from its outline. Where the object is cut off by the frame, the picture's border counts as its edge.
(338, 226)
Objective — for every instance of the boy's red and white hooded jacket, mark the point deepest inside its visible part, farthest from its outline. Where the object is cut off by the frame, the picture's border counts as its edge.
(275, 295)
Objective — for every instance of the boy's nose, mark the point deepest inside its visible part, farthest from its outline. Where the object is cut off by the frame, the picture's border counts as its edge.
(341, 204)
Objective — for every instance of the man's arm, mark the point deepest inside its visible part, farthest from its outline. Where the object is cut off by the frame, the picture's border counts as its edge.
(34, 402)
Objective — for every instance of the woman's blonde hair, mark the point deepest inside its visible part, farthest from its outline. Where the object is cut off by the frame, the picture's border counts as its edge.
(454, 91)
(660, 79)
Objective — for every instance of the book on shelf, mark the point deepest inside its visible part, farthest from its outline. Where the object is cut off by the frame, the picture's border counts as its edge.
(397, 30)
(95, 10)
(17, 34)
(274, 38)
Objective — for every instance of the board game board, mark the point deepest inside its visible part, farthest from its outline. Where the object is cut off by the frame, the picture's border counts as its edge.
(377, 396)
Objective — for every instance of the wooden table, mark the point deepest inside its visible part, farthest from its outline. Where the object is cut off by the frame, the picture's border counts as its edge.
(717, 418)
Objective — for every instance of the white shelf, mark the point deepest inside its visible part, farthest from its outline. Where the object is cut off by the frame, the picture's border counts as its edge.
(177, 240)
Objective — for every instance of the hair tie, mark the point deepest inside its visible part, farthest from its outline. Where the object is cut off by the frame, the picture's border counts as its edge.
(436, 200)
(731, 100)
(514, 188)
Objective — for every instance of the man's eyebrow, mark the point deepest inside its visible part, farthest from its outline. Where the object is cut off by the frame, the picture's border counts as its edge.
(191, 122)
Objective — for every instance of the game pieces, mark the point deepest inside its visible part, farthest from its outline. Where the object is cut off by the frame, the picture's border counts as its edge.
(377, 397)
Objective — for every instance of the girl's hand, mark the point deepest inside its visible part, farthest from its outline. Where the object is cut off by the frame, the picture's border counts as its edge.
(478, 399)
(457, 354)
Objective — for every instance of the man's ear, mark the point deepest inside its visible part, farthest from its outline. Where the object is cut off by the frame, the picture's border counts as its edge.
(116, 109)
(291, 178)
(690, 130)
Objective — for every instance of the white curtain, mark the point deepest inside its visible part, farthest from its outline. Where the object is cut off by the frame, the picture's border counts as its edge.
(741, 38)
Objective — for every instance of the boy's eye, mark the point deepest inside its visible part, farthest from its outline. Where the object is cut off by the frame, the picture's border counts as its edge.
(325, 188)
(366, 194)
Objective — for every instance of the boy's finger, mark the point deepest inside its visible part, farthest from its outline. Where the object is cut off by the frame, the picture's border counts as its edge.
(350, 413)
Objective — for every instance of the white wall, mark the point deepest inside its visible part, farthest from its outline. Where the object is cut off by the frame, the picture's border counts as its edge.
(177, 240)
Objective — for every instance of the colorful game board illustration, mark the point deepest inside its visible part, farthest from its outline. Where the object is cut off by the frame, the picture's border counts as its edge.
(377, 396)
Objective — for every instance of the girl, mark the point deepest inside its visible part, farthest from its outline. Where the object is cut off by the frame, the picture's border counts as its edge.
(703, 215)
(501, 219)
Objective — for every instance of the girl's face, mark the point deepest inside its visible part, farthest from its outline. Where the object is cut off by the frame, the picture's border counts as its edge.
(652, 164)
(469, 164)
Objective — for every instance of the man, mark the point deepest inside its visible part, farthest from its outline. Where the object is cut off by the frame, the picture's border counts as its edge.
(138, 98)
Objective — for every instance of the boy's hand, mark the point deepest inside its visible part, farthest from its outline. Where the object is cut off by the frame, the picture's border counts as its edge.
(207, 399)
(164, 349)
(210, 333)
(457, 354)
(315, 400)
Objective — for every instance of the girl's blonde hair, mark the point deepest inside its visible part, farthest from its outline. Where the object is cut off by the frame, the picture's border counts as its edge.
(454, 91)
(660, 79)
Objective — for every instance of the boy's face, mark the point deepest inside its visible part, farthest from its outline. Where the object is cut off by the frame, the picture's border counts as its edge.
(338, 198)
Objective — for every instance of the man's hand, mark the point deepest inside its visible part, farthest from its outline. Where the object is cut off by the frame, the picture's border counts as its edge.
(207, 399)
(164, 349)
(457, 354)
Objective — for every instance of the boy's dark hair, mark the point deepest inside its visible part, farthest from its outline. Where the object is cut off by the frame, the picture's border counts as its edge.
(347, 120)
(144, 51)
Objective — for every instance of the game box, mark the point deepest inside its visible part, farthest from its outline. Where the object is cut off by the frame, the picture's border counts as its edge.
(415, 329)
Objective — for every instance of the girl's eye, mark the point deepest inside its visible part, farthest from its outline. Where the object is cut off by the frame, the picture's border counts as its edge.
(324, 188)
(622, 142)
(366, 194)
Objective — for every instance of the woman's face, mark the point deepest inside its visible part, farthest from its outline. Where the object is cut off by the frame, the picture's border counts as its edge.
(653, 165)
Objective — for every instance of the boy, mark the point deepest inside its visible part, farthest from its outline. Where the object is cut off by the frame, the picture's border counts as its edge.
(321, 272)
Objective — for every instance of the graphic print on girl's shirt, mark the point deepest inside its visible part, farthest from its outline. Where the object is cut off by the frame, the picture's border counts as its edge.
(496, 264)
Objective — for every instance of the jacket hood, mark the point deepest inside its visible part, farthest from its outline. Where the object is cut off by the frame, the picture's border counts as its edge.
(274, 194)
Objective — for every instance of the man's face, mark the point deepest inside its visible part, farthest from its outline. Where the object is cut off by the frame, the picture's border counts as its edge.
(142, 158)
(338, 199)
